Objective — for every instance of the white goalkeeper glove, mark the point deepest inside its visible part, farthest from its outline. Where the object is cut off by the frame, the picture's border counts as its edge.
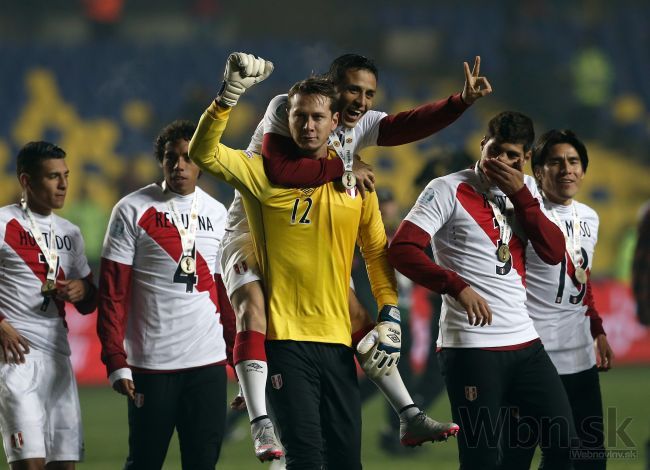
(242, 72)
(379, 350)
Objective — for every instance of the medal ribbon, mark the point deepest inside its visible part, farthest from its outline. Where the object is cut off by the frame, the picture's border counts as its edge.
(51, 254)
(188, 236)
(345, 149)
(574, 245)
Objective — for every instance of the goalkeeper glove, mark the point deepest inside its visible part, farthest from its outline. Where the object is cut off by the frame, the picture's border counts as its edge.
(242, 72)
(379, 350)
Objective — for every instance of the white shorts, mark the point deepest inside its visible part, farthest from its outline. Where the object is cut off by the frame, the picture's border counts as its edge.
(238, 262)
(39, 409)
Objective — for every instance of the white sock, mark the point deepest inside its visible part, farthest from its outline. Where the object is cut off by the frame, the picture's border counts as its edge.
(395, 392)
(252, 380)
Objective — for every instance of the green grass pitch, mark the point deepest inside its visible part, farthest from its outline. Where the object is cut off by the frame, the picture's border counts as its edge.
(625, 393)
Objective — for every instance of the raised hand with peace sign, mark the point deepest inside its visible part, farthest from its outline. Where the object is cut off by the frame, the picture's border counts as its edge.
(475, 86)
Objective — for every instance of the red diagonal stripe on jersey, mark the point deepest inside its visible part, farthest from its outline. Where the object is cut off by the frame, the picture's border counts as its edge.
(30, 254)
(172, 246)
(476, 206)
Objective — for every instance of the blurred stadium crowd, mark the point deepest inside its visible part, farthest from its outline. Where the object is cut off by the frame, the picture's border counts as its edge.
(101, 77)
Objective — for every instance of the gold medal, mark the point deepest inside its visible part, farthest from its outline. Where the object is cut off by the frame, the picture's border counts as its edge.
(503, 253)
(188, 265)
(581, 275)
(48, 288)
(349, 180)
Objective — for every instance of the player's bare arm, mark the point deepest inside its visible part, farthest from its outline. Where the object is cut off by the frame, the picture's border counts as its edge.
(14, 345)
(364, 175)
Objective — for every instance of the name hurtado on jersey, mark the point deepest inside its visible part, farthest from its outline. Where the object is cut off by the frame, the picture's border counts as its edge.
(24, 271)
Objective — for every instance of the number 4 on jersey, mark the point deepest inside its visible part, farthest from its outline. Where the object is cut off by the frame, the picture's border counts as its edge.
(180, 277)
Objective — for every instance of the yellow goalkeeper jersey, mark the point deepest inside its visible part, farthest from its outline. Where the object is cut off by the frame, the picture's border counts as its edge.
(304, 240)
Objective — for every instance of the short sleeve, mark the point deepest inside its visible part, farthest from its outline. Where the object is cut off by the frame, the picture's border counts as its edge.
(80, 265)
(276, 119)
(433, 207)
(121, 235)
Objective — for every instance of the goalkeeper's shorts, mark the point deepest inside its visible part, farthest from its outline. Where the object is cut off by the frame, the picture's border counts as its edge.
(238, 263)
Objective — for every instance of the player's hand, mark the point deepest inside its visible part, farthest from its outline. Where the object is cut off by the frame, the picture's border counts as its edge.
(477, 308)
(125, 387)
(71, 290)
(604, 353)
(242, 72)
(508, 179)
(379, 350)
(14, 345)
(475, 86)
(239, 402)
(364, 174)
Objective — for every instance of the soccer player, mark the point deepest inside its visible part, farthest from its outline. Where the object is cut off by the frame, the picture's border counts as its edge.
(304, 241)
(641, 267)
(164, 320)
(43, 266)
(560, 300)
(478, 221)
(355, 78)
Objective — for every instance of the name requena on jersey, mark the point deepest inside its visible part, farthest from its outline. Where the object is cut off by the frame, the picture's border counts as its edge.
(164, 219)
(27, 239)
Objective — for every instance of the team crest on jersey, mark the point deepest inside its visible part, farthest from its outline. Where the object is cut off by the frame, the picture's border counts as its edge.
(241, 268)
(139, 400)
(276, 381)
(471, 392)
(17, 440)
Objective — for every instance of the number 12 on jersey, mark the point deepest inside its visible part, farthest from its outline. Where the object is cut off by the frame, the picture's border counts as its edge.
(304, 219)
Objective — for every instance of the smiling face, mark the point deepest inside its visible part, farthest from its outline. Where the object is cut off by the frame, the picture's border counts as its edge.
(180, 172)
(46, 189)
(561, 175)
(357, 92)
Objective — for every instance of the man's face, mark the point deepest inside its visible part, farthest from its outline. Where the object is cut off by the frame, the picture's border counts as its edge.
(180, 172)
(561, 175)
(47, 189)
(310, 122)
(357, 91)
(511, 154)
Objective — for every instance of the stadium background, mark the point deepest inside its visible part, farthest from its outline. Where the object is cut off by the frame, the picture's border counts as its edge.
(101, 77)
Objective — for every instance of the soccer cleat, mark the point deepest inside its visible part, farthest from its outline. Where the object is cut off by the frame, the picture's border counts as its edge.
(267, 447)
(420, 428)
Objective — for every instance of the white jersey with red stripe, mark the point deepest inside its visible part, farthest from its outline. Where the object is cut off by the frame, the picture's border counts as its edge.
(276, 121)
(41, 320)
(173, 321)
(557, 302)
(455, 212)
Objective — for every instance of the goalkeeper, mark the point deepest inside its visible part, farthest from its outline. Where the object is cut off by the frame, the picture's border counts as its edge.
(355, 77)
(304, 242)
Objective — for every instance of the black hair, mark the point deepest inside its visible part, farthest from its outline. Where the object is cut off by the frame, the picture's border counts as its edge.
(512, 127)
(180, 129)
(315, 86)
(346, 62)
(33, 153)
(558, 136)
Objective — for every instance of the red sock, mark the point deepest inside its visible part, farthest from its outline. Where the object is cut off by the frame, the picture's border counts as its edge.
(249, 345)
